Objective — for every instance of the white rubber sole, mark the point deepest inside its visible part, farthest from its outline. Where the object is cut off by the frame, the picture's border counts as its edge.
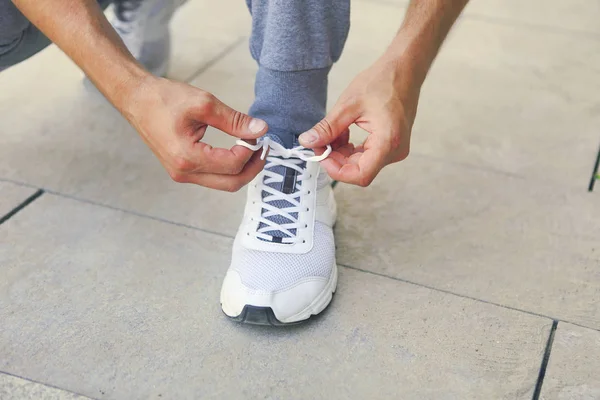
(260, 311)
(319, 303)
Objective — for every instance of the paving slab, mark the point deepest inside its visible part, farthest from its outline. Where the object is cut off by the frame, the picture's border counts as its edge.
(196, 41)
(498, 96)
(13, 388)
(572, 371)
(116, 306)
(202, 30)
(11, 196)
(577, 16)
(478, 233)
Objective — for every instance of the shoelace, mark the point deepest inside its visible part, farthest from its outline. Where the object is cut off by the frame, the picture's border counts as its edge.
(289, 158)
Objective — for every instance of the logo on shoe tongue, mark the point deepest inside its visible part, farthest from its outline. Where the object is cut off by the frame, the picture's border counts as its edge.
(289, 181)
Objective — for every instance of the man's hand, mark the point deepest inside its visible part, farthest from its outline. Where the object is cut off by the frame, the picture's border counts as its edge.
(172, 118)
(382, 102)
(383, 99)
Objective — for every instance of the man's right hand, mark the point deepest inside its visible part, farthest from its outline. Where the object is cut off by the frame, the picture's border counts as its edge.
(172, 118)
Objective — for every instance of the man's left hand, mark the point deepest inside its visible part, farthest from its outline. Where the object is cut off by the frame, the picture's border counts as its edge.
(382, 100)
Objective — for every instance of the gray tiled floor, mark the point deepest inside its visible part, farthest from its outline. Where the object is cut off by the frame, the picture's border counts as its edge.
(578, 16)
(490, 207)
(575, 16)
(501, 97)
(574, 364)
(478, 233)
(113, 305)
(13, 388)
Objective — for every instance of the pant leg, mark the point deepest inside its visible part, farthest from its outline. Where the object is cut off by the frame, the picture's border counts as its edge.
(295, 43)
(19, 38)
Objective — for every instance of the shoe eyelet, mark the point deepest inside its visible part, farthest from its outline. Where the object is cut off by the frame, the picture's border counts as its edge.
(305, 226)
(304, 241)
(307, 209)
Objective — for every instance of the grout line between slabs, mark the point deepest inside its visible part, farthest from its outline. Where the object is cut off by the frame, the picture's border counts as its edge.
(216, 59)
(545, 359)
(464, 296)
(21, 206)
(137, 214)
(46, 384)
(595, 172)
(226, 236)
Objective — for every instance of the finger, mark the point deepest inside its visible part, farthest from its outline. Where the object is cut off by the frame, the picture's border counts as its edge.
(229, 183)
(341, 140)
(333, 164)
(216, 160)
(358, 169)
(233, 122)
(329, 128)
(346, 150)
(341, 143)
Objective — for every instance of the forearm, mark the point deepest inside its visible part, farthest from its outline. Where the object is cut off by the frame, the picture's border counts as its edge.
(425, 27)
(82, 32)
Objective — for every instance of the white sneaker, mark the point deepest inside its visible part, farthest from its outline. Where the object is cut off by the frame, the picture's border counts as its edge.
(283, 267)
(144, 28)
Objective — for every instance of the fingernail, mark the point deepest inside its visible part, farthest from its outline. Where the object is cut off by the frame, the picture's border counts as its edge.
(257, 125)
(309, 137)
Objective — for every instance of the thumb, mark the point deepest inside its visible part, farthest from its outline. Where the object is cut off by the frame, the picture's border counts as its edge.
(329, 128)
(235, 123)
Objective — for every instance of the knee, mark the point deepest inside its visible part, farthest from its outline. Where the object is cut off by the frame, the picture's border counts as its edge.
(19, 43)
(13, 26)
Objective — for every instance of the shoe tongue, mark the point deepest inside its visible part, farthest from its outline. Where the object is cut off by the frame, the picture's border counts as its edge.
(287, 186)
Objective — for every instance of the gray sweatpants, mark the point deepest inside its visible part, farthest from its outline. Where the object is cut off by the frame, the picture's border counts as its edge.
(295, 43)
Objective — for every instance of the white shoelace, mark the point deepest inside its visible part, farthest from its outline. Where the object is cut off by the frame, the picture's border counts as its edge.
(289, 158)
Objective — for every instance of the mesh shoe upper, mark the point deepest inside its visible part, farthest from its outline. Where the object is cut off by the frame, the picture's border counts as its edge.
(277, 268)
(271, 271)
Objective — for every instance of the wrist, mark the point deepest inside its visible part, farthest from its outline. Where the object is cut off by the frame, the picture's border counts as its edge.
(412, 65)
(406, 75)
(122, 85)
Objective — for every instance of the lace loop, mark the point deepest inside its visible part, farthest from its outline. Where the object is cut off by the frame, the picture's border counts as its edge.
(277, 150)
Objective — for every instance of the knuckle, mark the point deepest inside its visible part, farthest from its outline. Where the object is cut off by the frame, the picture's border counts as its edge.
(233, 186)
(207, 102)
(325, 127)
(365, 180)
(237, 167)
(395, 142)
(237, 121)
(178, 177)
(182, 164)
(404, 154)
